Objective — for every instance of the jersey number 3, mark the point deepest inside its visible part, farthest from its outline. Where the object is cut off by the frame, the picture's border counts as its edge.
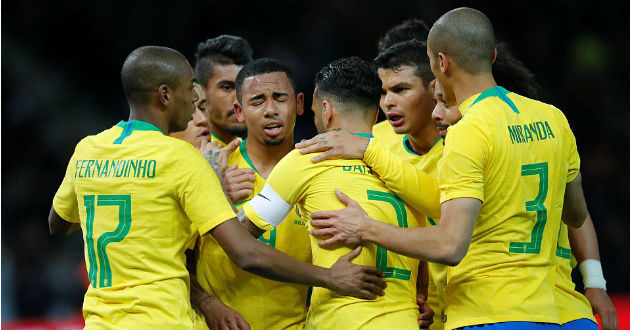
(537, 204)
(123, 202)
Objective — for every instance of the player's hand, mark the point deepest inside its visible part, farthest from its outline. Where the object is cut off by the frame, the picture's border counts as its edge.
(221, 317)
(426, 313)
(346, 278)
(335, 144)
(238, 182)
(603, 306)
(216, 156)
(340, 226)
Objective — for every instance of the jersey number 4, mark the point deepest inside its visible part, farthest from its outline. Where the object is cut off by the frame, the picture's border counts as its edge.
(123, 202)
(381, 253)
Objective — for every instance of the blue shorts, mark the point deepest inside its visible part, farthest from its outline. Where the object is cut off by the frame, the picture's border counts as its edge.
(515, 326)
(580, 324)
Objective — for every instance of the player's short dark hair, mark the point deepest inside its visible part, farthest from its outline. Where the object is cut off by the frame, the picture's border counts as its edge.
(350, 81)
(411, 29)
(222, 50)
(262, 66)
(148, 67)
(512, 74)
(412, 53)
(467, 36)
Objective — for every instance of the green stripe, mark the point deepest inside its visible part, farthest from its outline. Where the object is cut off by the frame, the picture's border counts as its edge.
(88, 201)
(131, 126)
(217, 138)
(407, 145)
(243, 151)
(241, 203)
(431, 221)
(499, 92)
(367, 135)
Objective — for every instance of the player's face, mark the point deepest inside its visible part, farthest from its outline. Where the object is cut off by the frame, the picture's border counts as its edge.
(270, 106)
(197, 129)
(404, 99)
(184, 100)
(220, 95)
(446, 112)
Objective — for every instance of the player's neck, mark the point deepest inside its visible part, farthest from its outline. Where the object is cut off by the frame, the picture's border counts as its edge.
(221, 134)
(353, 126)
(151, 118)
(424, 138)
(265, 157)
(469, 85)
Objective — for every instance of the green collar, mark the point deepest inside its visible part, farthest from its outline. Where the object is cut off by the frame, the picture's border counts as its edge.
(133, 125)
(217, 138)
(243, 151)
(407, 145)
(499, 92)
(364, 135)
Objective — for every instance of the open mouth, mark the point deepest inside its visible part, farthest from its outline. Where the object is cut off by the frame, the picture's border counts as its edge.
(205, 135)
(395, 119)
(273, 129)
(443, 129)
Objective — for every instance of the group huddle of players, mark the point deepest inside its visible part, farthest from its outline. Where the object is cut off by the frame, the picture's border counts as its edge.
(393, 225)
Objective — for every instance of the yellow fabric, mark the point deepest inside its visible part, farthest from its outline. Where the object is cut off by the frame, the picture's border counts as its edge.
(135, 201)
(572, 305)
(220, 142)
(264, 303)
(427, 163)
(516, 156)
(311, 186)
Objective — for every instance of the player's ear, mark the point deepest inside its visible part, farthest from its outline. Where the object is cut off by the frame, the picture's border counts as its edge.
(299, 103)
(164, 94)
(494, 55)
(238, 111)
(327, 113)
(443, 61)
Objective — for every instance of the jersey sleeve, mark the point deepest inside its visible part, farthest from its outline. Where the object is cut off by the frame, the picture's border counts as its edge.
(460, 173)
(65, 201)
(413, 186)
(572, 156)
(285, 186)
(199, 191)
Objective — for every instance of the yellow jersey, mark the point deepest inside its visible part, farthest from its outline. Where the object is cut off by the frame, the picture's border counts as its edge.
(399, 145)
(265, 304)
(135, 193)
(516, 156)
(214, 137)
(572, 305)
(298, 181)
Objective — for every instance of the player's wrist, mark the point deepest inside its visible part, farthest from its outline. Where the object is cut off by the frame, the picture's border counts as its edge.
(592, 274)
(369, 231)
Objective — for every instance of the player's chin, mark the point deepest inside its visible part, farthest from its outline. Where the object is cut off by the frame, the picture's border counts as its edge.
(272, 141)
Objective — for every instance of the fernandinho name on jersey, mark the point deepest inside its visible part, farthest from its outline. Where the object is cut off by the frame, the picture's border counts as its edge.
(535, 131)
(111, 168)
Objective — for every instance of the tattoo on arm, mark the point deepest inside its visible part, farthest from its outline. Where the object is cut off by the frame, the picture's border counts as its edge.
(212, 157)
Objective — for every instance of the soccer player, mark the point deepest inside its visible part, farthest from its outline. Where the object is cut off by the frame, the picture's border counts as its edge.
(268, 103)
(503, 177)
(346, 97)
(135, 191)
(217, 61)
(197, 129)
(407, 101)
(574, 308)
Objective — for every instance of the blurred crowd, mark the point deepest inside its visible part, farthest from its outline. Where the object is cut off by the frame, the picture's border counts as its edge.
(60, 82)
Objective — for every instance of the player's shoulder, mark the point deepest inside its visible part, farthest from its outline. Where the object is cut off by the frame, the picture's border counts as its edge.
(538, 107)
(104, 137)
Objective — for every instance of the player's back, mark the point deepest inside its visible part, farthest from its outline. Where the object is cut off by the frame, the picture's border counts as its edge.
(330, 310)
(135, 231)
(516, 156)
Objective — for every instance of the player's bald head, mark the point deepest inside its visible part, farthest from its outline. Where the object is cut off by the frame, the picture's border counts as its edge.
(467, 36)
(150, 66)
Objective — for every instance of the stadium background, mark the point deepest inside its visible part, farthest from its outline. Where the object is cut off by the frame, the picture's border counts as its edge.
(60, 82)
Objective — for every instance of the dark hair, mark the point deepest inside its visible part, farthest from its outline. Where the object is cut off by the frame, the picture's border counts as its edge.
(262, 66)
(467, 36)
(350, 80)
(411, 53)
(411, 29)
(148, 67)
(224, 49)
(510, 73)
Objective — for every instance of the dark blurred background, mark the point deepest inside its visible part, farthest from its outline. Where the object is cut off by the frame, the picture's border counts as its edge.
(60, 82)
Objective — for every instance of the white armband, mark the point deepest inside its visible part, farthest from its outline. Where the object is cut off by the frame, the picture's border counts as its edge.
(592, 274)
(270, 206)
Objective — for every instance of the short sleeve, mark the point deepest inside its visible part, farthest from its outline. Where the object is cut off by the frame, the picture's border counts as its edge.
(572, 156)
(199, 192)
(286, 185)
(65, 201)
(460, 173)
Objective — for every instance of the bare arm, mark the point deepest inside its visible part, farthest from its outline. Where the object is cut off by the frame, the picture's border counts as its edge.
(425, 319)
(60, 227)
(574, 211)
(445, 243)
(256, 257)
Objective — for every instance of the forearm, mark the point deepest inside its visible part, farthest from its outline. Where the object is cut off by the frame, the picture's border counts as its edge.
(584, 241)
(60, 227)
(422, 284)
(416, 188)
